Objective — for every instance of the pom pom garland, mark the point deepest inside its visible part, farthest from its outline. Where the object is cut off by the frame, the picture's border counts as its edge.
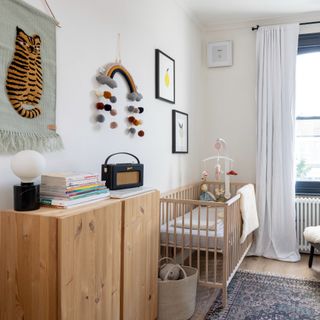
(107, 107)
(132, 96)
(113, 125)
(139, 97)
(113, 99)
(132, 130)
(100, 106)
(140, 133)
(98, 93)
(131, 119)
(130, 108)
(100, 118)
(107, 94)
(136, 122)
(113, 112)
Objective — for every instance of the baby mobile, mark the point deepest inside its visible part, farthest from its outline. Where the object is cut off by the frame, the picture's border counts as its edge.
(106, 101)
(219, 171)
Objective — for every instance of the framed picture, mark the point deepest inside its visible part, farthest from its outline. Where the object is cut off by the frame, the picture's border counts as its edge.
(180, 132)
(220, 54)
(165, 77)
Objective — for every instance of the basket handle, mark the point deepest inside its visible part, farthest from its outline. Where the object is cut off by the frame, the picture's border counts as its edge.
(166, 259)
(176, 265)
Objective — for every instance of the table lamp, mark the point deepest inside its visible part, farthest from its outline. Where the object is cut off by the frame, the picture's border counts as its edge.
(27, 165)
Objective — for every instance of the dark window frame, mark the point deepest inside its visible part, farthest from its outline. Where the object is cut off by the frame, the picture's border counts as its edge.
(308, 43)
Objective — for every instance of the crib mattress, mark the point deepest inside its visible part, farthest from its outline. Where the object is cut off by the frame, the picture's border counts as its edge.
(193, 237)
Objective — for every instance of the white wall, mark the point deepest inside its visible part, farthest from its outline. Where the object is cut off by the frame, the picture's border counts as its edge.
(231, 107)
(87, 41)
(231, 110)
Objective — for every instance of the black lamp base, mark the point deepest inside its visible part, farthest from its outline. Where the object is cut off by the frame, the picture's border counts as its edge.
(26, 197)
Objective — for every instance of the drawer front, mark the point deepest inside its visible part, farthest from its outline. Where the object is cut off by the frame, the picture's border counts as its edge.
(89, 264)
(140, 257)
(28, 267)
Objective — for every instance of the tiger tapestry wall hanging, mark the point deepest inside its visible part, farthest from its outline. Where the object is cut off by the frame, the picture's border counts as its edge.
(27, 79)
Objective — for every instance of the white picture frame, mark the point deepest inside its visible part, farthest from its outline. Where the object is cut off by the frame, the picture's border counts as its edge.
(219, 54)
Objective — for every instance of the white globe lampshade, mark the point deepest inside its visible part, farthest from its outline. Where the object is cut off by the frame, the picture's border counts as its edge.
(28, 165)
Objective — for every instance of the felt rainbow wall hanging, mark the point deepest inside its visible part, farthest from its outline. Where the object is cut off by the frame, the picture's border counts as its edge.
(107, 100)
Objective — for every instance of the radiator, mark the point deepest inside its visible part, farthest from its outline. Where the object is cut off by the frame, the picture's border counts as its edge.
(307, 214)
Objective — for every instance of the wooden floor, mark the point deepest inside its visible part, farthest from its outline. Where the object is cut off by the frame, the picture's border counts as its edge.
(298, 269)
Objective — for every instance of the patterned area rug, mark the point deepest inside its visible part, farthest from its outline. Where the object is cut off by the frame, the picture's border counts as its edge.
(254, 296)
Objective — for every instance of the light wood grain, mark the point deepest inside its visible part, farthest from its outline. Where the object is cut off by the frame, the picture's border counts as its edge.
(66, 264)
(140, 257)
(89, 264)
(27, 267)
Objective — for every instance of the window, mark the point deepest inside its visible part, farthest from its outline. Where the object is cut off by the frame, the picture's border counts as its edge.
(308, 115)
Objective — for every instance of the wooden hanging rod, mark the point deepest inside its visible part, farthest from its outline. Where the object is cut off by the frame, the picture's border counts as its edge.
(301, 24)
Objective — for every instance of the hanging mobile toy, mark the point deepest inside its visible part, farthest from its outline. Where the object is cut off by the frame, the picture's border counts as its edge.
(220, 147)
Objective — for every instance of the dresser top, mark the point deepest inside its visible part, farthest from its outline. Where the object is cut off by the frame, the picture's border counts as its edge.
(61, 213)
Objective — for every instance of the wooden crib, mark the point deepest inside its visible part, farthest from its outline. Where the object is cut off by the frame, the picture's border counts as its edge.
(204, 234)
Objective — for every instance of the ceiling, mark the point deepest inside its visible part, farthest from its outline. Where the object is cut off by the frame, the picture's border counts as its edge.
(219, 12)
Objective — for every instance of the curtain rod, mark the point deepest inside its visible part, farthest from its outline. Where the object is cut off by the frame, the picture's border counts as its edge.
(301, 24)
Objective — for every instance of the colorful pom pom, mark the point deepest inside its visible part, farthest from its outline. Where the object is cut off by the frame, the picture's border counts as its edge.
(130, 108)
(113, 99)
(136, 122)
(132, 96)
(100, 118)
(113, 112)
(140, 109)
(100, 106)
(98, 93)
(113, 125)
(139, 97)
(141, 133)
(107, 107)
(132, 130)
(136, 110)
(131, 119)
(107, 94)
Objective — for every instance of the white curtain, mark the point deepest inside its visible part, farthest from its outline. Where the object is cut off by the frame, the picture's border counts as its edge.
(276, 50)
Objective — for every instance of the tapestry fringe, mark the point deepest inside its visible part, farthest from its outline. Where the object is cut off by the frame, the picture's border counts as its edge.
(12, 142)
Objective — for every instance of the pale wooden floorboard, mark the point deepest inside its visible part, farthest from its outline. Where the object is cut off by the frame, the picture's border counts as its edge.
(298, 269)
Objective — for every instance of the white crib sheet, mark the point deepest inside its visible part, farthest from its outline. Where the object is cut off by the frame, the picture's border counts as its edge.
(196, 236)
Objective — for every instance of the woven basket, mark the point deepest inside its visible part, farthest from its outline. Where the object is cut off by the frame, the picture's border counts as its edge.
(177, 298)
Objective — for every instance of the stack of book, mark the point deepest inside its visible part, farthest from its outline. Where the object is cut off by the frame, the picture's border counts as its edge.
(68, 189)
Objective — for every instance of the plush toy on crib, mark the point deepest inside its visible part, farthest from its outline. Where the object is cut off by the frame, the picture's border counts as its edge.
(205, 195)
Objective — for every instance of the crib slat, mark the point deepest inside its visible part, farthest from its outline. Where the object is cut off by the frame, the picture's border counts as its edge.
(190, 237)
(175, 231)
(182, 212)
(167, 230)
(207, 247)
(215, 244)
(198, 252)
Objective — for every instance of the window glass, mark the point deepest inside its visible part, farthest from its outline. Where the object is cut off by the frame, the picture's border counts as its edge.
(308, 117)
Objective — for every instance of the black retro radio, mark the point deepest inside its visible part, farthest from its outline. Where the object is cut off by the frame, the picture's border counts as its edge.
(122, 175)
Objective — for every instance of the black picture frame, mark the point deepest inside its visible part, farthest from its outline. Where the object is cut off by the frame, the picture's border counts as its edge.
(180, 144)
(159, 57)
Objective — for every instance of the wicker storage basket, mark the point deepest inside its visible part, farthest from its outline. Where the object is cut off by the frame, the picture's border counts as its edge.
(177, 298)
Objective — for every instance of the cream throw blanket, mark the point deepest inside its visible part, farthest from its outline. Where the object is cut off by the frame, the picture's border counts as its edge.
(248, 209)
